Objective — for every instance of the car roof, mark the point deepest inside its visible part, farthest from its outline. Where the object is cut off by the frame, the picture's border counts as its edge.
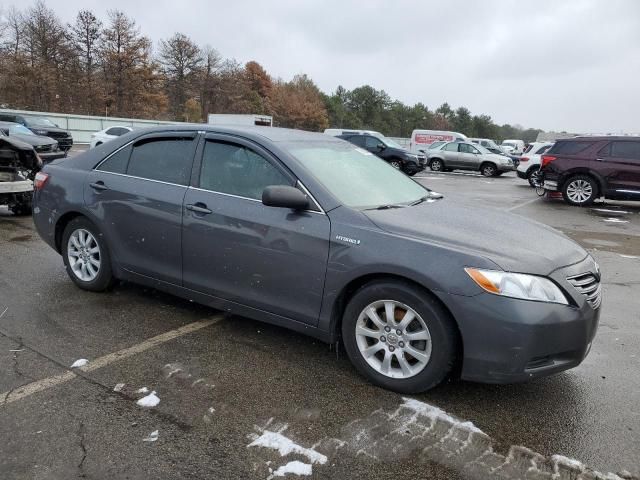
(273, 134)
(599, 138)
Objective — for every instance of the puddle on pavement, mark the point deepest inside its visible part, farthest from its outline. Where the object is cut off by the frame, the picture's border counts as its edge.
(611, 242)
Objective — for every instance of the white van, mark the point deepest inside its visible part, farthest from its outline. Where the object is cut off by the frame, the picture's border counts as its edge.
(422, 139)
(513, 147)
(347, 131)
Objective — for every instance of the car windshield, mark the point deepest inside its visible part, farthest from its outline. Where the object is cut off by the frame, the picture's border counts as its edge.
(482, 149)
(40, 122)
(436, 145)
(19, 130)
(390, 143)
(357, 178)
(508, 144)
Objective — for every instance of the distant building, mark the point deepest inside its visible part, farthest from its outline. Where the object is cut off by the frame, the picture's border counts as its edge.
(553, 136)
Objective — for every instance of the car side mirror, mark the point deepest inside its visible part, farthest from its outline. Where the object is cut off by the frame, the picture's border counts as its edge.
(381, 146)
(284, 196)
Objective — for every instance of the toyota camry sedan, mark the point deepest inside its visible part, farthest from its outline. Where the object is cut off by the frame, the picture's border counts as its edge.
(312, 233)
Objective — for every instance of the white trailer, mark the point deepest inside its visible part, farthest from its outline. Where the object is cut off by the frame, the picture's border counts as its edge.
(234, 119)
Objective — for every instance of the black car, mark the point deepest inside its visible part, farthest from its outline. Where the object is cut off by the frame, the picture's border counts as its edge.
(47, 148)
(41, 126)
(389, 151)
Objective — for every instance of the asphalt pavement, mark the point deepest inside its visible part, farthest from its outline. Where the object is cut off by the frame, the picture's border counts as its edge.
(242, 399)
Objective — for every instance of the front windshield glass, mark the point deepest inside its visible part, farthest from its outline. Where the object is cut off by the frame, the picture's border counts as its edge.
(436, 145)
(19, 130)
(508, 144)
(357, 178)
(40, 122)
(390, 143)
(482, 149)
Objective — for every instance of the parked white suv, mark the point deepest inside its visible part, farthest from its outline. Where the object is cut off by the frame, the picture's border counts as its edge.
(530, 161)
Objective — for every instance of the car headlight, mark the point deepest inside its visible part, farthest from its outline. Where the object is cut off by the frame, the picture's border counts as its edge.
(517, 285)
(40, 132)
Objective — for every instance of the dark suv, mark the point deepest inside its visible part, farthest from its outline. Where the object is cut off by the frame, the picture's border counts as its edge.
(389, 151)
(586, 168)
(41, 126)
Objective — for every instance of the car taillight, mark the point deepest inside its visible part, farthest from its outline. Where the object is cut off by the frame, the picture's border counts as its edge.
(40, 180)
(524, 159)
(546, 160)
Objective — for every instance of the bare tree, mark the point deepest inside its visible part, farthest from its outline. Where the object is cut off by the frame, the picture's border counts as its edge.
(181, 60)
(86, 33)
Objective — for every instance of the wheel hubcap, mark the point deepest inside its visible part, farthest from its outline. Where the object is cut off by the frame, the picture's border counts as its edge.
(83, 253)
(393, 339)
(395, 165)
(579, 191)
(435, 165)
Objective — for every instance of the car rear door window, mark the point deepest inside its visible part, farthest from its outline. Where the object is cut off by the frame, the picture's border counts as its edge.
(116, 163)
(236, 170)
(162, 159)
(570, 148)
(543, 149)
(626, 149)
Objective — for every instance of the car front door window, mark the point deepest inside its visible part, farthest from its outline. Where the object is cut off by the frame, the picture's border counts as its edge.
(236, 170)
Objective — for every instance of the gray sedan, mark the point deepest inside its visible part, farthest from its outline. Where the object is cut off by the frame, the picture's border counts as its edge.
(314, 234)
(468, 156)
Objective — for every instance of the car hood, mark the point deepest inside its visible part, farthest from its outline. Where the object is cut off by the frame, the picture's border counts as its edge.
(512, 242)
(34, 140)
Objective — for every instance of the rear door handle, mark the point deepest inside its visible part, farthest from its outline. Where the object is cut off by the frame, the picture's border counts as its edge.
(199, 208)
(99, 185)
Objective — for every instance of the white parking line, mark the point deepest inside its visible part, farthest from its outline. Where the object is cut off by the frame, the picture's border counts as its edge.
(40, 385)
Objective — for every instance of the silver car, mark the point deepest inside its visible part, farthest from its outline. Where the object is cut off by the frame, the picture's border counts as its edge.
(467, 156)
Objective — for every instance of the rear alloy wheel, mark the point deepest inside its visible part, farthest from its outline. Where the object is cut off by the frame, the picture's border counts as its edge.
(580, 190)
(85, 256)
(396, 164)
(399, 337)
(533, 177)
(436, 165)
(488, 170)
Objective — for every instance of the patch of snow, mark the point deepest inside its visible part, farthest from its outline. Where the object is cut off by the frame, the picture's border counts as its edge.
(142, 390)
(152, 437)
(629, 256)
(610, 211)
(570, 462)
(285, 446)
(150, 400)
(296, 467)
(615, 220)
(211, 409)
(118, 387)
(80, 363)
(434, 413)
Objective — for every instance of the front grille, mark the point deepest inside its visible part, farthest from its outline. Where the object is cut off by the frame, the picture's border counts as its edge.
(43, 148)
(589, 286)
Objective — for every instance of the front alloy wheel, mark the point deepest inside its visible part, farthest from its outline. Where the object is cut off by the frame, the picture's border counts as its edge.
(579, 190)
(395, 164)
(399, 336)
(488, 170)
(393, 339)
(436, 165)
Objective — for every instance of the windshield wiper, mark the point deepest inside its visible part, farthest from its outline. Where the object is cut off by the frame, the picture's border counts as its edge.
(387, 207)
(430, 196)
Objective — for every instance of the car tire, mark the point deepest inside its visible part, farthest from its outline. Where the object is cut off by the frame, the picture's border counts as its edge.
(531, 176)
(488, 169)
(434, 358)
(436, 165)
(580, 190)
(88, 267)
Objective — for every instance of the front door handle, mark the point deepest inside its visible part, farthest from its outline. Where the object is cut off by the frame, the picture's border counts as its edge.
(199, 208)
(99, 185)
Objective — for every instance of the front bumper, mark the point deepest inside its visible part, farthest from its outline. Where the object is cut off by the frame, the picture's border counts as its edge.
(506, 340)
(50, 156)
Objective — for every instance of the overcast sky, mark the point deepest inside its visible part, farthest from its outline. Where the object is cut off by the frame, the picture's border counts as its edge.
(569, 65)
